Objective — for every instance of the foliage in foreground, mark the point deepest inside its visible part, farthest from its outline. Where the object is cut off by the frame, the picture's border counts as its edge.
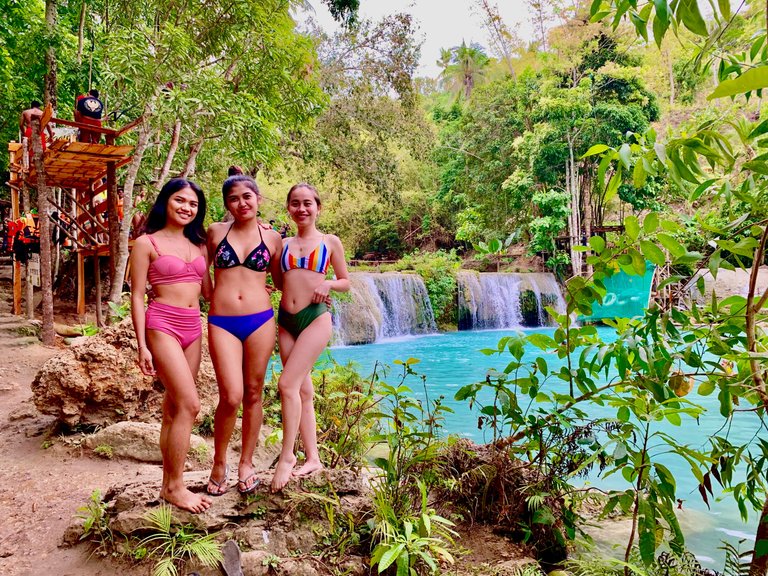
(408, 535)
(171, 545)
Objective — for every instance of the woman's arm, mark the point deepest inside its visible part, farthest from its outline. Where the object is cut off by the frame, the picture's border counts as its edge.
(140, 260)
(276, 247)
(207, 286)
(341, 283)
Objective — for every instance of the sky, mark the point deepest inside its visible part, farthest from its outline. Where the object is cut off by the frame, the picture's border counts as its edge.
(441, 23)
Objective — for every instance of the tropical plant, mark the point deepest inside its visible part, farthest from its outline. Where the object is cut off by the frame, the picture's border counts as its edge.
(344, 403)
(464, 67)
(172, 544)
(412, 545)
(405, 532)
(438, 270)
(96, 523)
(495, 249)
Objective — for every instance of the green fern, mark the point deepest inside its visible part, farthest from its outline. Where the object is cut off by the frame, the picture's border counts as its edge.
(735, 565)
(176, 544)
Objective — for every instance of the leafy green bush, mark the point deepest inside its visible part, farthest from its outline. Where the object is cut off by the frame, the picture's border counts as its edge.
(344, 402)
(438, 270)
(173, 544)
(406, 533)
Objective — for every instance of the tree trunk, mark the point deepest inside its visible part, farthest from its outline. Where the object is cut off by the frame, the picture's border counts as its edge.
(80, 34)
(171, 153)
(586, 192)
(113, 220)
(49, 94)
(121, 258)
(191, 164)
(759, 564)
(671, 79)
(49, 336)
(572, 184)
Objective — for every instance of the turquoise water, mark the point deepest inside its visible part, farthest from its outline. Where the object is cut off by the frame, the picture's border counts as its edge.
(452, 360)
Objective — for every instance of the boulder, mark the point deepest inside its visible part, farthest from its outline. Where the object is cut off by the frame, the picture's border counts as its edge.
(255, 563)
(97, 382)
(262, 520)
(138, 441)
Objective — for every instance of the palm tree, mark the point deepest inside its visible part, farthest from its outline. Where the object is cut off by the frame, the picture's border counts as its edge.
(464, 67)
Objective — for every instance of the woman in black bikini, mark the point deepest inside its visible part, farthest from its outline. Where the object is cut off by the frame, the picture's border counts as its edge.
(241, 326)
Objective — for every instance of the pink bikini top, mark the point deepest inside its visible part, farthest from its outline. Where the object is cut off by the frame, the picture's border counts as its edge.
(170, 269)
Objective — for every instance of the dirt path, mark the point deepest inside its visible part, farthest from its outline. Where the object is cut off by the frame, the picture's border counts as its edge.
(43, 479)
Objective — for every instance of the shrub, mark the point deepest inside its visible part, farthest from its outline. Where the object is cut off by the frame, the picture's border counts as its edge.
(438, 270)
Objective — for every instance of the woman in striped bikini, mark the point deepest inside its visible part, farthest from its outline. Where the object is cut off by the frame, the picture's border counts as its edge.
(304, 325)
(171, 256)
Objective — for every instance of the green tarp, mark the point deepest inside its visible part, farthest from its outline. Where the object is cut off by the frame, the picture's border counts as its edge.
(626, 297)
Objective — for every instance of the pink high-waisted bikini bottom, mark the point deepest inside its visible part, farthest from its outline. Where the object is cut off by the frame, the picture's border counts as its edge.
(184, 324)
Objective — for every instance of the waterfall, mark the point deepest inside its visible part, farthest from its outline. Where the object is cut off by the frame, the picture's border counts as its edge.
(506, 300)
(382, 306)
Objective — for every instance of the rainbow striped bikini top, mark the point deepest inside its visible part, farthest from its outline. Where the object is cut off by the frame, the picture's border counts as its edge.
(316, 261)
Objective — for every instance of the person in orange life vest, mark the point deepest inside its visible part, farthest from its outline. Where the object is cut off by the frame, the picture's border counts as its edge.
(88, 110)
(25, 124)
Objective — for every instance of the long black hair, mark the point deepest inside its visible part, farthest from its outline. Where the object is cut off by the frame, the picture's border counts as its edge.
(158, 214)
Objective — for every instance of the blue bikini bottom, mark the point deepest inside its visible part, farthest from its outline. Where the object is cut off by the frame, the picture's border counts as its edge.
(242, 326)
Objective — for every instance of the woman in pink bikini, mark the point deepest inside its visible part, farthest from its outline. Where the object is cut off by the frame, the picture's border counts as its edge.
(241, 326)
(305, 325)
(171, 255)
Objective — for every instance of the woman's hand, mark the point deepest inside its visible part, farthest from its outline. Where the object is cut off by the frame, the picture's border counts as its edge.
(145, 362)
(321, 294)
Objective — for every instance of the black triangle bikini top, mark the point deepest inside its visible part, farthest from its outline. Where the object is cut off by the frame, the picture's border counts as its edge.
(257, 260)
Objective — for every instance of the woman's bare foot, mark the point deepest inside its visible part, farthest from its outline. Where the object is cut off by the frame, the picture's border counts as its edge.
(186, 500)
(283, 472)
(308, 468)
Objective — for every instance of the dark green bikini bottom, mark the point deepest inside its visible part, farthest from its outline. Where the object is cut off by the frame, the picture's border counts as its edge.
(296, 323)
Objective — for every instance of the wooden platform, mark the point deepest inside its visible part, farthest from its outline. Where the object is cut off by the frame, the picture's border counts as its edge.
(79, 164)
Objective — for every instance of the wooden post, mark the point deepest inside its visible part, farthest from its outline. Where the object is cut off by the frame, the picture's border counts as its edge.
(80, 262)
(15, 215)
(97, 279)
(46, 285)
(81, 285)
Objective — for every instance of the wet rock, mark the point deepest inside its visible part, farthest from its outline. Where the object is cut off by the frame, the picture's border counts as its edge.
(97, 382)
(137, 441)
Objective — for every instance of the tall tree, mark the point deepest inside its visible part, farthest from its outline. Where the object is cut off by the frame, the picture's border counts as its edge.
(466, 69)
(501, 39)
(50, 94)
(236, 77)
